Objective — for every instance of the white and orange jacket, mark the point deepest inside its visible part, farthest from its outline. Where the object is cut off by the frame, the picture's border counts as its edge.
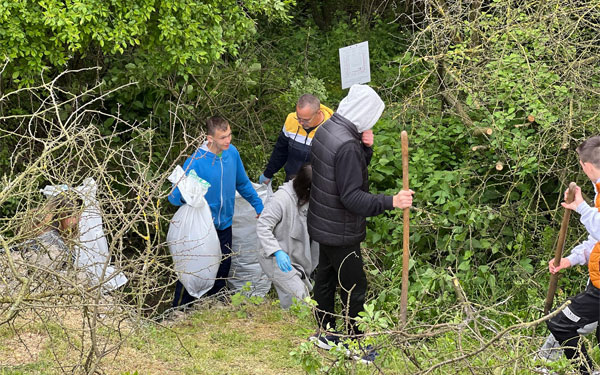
(588, 252)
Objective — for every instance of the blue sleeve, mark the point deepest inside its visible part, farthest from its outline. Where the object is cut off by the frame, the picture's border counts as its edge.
(278, 157)
(244, 186)
(175, 197)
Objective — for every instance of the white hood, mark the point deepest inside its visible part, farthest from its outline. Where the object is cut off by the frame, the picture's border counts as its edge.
(362, 107)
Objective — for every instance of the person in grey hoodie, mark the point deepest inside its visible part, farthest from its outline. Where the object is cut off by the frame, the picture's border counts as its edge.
(286, 255)
(339, 204)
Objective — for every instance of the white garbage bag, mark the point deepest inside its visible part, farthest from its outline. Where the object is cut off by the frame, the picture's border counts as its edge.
(192, 238)
(93, 255)
(244, 263)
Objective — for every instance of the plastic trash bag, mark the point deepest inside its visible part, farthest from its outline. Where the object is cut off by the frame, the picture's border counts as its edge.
(192, 238)
(92, 255)
(244, 263)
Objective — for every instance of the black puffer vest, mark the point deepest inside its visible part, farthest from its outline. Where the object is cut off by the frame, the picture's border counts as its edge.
(329, 223)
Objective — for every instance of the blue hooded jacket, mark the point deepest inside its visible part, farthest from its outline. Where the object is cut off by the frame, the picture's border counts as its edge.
(226, 174)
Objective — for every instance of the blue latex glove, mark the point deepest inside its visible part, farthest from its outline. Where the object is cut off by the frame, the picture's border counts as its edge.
(263, 180)
(283, 261)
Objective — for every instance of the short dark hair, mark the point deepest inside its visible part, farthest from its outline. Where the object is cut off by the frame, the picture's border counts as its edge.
(308, 100)
(215, 123)
(589, 151)
(302, 183)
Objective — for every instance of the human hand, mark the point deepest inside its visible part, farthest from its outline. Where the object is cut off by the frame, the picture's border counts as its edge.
(283, 261)
(577, 200)
(403, 199)
(564, 263)
(367, 137)
(263, 180)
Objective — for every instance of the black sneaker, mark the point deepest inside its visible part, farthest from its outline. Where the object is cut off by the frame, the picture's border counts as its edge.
(367, 355)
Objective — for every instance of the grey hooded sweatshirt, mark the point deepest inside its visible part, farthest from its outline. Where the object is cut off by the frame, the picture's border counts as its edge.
(282, 226)
(340, 200)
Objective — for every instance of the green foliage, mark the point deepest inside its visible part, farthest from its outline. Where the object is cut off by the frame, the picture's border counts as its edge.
(307, 356)
(373, 320)
(492, 229)
(308, 85)
(163, 35)
(303, 309)
(242, 299)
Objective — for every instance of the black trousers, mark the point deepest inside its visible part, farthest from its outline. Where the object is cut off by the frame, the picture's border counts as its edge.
(182, 297)
(340, 266)
(583, 310)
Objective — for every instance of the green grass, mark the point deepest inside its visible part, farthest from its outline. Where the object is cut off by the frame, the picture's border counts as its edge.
(215, 339)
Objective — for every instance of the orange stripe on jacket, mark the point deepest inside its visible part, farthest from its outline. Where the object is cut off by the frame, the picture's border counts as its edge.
(594, 262)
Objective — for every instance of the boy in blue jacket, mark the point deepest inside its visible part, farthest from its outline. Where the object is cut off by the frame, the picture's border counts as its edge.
(218, 162)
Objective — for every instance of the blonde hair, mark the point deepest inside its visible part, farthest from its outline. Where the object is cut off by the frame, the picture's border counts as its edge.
(50, 215)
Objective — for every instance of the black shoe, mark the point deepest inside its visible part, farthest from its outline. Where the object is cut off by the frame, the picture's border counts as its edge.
(367, 355)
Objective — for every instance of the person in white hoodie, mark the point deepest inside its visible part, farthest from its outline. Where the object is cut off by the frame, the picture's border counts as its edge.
(339, 204)
(286, 254)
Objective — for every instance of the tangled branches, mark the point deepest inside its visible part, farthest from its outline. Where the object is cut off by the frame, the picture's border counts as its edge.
(66, 138)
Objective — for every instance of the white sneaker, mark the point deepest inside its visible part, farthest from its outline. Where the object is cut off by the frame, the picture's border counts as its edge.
(550, 351)
(543, 371)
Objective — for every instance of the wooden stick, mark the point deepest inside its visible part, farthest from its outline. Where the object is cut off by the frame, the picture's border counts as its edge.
(479, 147)
(406, 223)
(559, 249)
(482, 131)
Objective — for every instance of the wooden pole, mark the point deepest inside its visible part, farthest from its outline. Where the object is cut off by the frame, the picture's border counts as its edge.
(406, 223)
(559, 249)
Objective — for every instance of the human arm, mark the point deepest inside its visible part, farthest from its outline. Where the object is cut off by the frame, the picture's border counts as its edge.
(278, 157)
(367, 138)
(577, 199)
(403, 199)
(349, 161)
(266, 224)
(175, 197)
(245, 188)
(283, 261)
(564, 263)
(265, 227)
(580, 254)
(590, 218)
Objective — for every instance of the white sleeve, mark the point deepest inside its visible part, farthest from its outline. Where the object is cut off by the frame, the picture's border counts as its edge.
(590, 218)
(580, 254)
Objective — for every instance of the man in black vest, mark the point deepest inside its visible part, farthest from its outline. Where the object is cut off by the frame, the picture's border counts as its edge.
(340, 202)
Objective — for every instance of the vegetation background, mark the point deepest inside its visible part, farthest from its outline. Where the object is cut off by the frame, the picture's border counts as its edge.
(495, 96)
